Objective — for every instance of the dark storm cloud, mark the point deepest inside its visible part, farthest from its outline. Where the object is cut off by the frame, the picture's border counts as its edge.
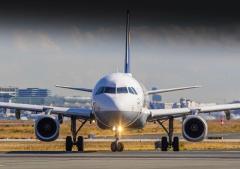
(110, 12)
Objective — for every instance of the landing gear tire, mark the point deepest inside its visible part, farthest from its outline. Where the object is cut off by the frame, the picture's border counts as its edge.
(175, 144)
(80, 143)
(157, 145)
(117, 146)
(114, 146)
(120, 147)
(164, 144)
(69, 143)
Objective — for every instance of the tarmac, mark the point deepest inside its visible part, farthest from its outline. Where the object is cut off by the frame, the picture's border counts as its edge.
(123, 160)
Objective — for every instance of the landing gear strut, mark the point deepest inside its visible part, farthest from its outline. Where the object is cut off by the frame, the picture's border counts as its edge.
(170, 142)
(117, 145)
(74, 140)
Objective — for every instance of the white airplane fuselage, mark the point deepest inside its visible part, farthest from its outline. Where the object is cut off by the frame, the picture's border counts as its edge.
(118, 100)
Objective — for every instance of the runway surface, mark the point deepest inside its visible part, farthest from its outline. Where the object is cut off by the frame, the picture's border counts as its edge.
(123, 160)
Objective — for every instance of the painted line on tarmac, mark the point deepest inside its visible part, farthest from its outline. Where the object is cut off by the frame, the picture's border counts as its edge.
(124, 140)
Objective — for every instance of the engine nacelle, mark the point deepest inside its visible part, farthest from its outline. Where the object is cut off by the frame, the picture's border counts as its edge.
(194, 128)
(47, 128)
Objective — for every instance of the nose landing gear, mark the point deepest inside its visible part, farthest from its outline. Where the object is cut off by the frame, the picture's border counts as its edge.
(117, 145)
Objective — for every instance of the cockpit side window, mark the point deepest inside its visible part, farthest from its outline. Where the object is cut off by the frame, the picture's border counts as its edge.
(122, 90)
(110, 90)
(99, 91)
(134, 90)
(131, 90)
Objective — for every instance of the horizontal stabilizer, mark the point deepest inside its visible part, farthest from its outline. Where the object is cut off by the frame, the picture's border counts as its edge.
(75, 88)
(170, 90)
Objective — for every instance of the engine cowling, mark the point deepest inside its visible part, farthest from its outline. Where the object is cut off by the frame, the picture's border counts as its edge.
(47, 128)
(194, 128)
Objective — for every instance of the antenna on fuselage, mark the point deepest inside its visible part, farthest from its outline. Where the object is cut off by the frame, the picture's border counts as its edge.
(127, 47)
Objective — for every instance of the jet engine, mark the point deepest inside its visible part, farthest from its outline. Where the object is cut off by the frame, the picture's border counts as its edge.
(194, 128)
(47, 128)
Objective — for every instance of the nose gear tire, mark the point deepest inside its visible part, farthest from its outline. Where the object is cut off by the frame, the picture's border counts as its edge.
(117, 146)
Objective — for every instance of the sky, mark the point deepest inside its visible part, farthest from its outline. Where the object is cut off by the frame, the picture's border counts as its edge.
(172, 44)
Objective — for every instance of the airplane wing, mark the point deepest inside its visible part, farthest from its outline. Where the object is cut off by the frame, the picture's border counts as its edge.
(158, 114)
(80, 113)
(170, 90)
(75, 88)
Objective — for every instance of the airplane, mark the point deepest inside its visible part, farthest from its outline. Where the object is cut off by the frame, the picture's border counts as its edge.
(119, 101)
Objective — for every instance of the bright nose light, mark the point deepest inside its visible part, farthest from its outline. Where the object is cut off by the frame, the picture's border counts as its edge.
(119, 128)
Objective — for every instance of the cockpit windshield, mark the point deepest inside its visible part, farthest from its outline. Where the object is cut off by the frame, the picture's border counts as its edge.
(109, 90)
(122, 90)
(114, 90)
(106, 90)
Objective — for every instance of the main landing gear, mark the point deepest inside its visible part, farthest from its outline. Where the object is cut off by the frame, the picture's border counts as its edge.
(74, 140)
(117, 145)
(170, 142)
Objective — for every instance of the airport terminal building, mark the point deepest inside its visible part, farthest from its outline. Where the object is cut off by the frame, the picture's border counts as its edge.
(32, 96)
(6, 93)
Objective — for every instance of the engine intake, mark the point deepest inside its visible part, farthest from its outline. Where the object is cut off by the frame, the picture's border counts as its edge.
(47, 128)
(194, 128)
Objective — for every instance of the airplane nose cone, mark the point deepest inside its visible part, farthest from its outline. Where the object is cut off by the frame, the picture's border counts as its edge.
(106, 103)
(119, 105)
(112, 111)
(112, 103)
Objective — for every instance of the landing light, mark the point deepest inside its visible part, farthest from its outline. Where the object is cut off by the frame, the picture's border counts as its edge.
(119, 128)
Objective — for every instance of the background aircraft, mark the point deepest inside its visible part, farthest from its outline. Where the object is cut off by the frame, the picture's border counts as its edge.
(120, 101)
